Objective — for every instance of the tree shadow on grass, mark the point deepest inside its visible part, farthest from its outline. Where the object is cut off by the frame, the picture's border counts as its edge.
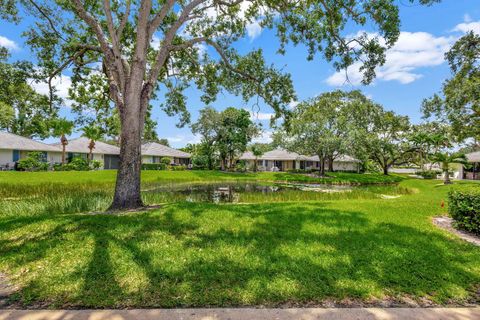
(235, 255)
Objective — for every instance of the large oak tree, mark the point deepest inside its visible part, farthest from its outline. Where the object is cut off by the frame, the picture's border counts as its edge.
(147, 47)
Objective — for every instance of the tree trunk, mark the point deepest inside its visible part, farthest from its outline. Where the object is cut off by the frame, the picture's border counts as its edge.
(446, 177)
(330, 164)
(321, 172)
(385, 170)
(255, 165)
(64, 142)
(222, 164)
(127, 187)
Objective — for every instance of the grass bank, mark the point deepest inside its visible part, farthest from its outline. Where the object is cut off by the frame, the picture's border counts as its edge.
(193, 254)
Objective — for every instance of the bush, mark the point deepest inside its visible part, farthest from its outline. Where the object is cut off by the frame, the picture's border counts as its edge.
(166, 161)
(464, 208)
(428, 174)
(177, 168)
(33, 162)
(96, 164)
(154, 166)
(77, 164)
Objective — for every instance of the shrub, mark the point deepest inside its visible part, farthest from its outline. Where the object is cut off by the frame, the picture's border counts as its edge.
(77, 164)
(166, 161)
(177, 168)
(154, 166)
(464, 208)
(96, 164)
(33, 162)
(428, 174)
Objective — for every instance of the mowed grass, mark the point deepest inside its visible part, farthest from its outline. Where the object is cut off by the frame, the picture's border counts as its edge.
(193, 254)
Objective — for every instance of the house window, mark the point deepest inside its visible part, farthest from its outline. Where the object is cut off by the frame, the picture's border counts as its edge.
(16, 155)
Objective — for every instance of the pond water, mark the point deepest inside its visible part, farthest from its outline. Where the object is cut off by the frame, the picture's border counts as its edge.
(255, 193)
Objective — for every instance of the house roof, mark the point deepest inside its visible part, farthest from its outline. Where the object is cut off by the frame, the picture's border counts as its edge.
(282, 154)
(159, 150)
(473, 157)
(12, 141)
(80, 145)
(277, 154)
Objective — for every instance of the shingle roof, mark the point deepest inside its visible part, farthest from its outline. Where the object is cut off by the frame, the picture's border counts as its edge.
(159, 150)
(80, 145)
(473, 157)
(14, 142)
(282, 154)
(277, 154)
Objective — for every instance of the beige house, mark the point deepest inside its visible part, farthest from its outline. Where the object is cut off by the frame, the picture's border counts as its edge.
(283, 160)
(106, 153)
(14, 148)
(472, 173)
(152, 152)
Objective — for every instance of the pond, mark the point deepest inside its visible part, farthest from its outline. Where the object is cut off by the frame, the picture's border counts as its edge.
(265, 193)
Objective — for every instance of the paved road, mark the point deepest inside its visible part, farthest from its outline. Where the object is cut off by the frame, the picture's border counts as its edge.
(248, 314)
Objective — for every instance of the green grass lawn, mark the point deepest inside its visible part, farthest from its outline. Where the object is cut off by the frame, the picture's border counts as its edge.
(194, 254)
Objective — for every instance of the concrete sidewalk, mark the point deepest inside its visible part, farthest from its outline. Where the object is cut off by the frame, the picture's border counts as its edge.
(247, 314)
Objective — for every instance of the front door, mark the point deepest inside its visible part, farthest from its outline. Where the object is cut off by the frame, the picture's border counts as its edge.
(278, 164)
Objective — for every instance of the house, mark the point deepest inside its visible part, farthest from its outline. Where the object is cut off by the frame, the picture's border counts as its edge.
(152, 152)
(106, 153)
(283, 160)
(14, 147)
(473, 171)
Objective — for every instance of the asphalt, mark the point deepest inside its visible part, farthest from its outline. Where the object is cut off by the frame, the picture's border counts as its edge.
(248, 314)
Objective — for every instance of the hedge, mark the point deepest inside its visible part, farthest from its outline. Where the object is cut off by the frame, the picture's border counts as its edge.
(464, 208)
(154, 166)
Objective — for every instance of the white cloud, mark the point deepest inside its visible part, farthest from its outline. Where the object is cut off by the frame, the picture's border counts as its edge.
(254, 29)
(413, 50)
(61, 83)
(265, 137)
(180, 139)
(9, 44)
(293, 104)
(468, 26)
(260, 115)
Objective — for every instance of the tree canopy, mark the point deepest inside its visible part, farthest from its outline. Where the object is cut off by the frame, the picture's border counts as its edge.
(459, 102)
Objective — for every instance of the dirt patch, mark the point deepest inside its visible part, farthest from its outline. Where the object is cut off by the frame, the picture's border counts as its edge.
(446, 223)
(6, 289)
(122, 212)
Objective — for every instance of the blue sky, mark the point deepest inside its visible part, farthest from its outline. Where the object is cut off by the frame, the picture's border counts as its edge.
(415, 68)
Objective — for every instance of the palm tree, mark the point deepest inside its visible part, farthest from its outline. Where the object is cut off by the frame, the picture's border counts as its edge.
(257, 152)
(61, 127)
(94, 134)
(445, 159)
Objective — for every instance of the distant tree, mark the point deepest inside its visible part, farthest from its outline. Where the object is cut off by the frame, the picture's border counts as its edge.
(235, 132)
(445, 159)
(427, 139)
(459, 102)
(207, 127)
(62, 127)
(94, 134)
(257, 152)
(388, 142)
(22, 110)
(318, 127)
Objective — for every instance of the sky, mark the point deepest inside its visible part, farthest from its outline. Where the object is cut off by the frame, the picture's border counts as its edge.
(414, 70)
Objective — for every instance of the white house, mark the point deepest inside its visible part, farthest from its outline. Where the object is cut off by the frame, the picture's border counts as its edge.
(152, 152)
(106, 153)
(14, 148)
(283, 160)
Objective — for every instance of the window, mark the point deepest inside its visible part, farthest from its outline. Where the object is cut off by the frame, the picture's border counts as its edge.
(16, 155)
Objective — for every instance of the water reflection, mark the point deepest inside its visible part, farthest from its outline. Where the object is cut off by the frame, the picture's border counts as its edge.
(225, 193)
